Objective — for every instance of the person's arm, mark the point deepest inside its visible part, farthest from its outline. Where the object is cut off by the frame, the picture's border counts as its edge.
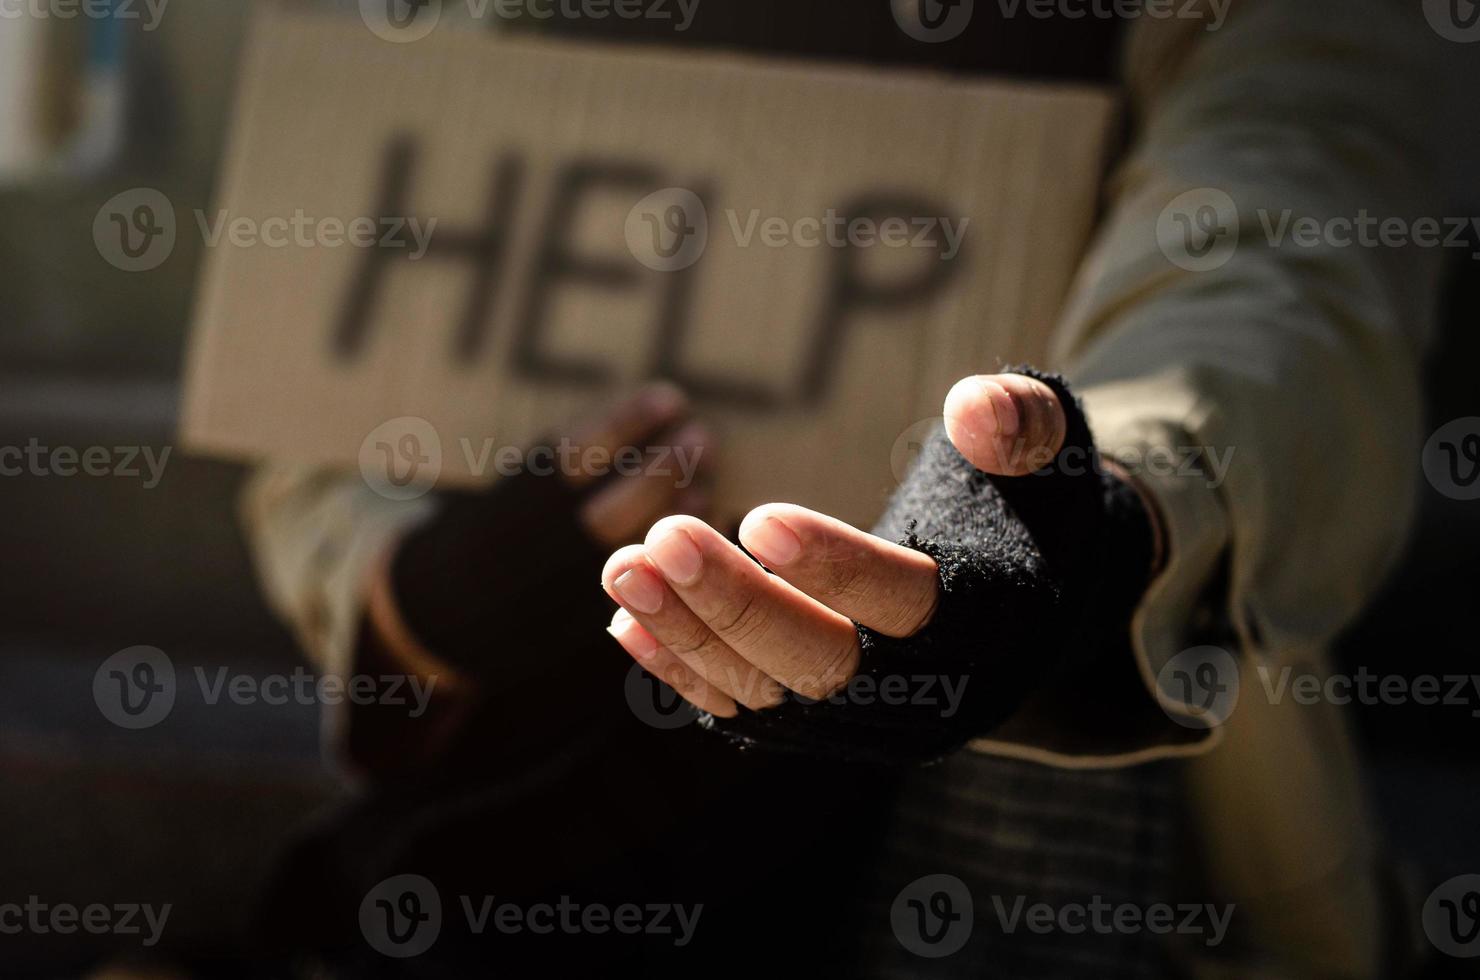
(1264, 409)
(320, 542)
(478, 595)
(1262, 389)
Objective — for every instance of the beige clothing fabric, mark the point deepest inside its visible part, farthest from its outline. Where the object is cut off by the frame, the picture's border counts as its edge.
(1300, 362)
(315, 537)
(1294, 366)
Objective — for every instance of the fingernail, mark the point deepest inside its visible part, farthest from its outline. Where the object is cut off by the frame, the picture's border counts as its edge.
(1005, 408)
(963, 409)
(640, 589)
(964, 433)
(695, 434)
(677, 557)
(663, 399)
(975, 423)
(775, 544)
(639, 643)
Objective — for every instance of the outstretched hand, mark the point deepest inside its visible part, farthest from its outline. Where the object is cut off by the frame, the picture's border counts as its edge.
(705, 619)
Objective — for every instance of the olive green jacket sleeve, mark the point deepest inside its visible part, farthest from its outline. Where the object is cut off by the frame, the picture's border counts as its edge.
(1259, 380)
(1261, 383)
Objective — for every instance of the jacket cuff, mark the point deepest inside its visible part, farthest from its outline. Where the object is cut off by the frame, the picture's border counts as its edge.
(317, 538)
(1126, 713)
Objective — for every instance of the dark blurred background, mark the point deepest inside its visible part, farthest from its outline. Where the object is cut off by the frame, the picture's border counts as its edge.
(193, 812)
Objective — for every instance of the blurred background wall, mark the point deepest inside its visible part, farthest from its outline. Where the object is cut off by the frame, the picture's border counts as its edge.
(192, 811)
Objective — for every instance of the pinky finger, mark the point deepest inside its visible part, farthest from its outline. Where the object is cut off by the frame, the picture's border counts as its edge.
(662, 664)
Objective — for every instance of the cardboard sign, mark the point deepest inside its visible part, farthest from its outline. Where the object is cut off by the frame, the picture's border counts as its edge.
(425, 253)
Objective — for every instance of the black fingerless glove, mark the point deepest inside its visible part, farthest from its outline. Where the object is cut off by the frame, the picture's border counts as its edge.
(1038, 575)
(498, 583)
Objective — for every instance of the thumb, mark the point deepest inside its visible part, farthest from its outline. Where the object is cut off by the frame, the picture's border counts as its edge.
(1005, 424)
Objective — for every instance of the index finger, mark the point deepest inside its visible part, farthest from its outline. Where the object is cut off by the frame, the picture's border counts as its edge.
(887, 587)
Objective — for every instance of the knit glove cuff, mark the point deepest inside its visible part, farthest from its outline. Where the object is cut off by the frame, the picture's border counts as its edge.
(1038, 574)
